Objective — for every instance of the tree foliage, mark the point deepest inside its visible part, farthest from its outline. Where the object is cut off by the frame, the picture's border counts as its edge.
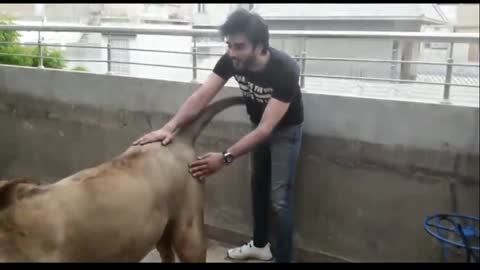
(80, 68)
(25, 56)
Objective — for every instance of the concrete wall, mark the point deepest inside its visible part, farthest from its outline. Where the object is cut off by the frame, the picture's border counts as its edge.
(370, 170)
(467, 22)
(468, 15)
(350, 48)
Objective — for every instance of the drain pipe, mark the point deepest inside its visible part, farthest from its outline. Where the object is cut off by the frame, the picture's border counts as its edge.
(453, 196)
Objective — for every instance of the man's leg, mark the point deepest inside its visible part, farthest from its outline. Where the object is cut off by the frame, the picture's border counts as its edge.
(285, 148)
(260, 182)
(258, 248)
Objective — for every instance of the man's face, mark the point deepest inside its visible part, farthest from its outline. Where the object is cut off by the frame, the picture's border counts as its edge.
(241, 51)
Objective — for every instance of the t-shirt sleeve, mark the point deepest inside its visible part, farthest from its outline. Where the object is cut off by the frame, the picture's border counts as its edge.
(224, 67)
(287, 84)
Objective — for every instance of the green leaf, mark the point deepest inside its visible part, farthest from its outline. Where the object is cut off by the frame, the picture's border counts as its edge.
(28, 56)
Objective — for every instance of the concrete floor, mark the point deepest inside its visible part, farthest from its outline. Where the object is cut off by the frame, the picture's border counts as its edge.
(216, 253)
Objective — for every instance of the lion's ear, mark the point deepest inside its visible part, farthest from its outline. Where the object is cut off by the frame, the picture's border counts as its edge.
(8, 191)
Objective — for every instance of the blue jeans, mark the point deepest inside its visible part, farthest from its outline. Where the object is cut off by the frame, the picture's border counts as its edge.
(273, 169)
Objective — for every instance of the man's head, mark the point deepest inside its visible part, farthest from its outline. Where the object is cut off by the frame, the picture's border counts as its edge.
(247, 38)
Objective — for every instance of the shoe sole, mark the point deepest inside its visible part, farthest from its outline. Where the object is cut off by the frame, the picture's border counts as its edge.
(247, 259)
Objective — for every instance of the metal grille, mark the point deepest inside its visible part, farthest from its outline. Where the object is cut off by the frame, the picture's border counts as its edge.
(448, 82)
(120, 55)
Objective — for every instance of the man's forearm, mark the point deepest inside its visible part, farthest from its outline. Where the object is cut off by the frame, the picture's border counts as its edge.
(272, 115)
(191, 108)
(245, 144)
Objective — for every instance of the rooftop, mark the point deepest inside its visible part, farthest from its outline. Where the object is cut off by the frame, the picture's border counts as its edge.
(428, 13)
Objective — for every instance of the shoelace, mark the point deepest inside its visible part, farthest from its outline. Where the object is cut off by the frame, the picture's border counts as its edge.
(249, 244)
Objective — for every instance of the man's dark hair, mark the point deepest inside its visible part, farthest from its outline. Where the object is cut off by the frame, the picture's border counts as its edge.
(252, 25)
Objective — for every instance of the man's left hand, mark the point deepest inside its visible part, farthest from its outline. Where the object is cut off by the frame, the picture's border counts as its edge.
(206, 165)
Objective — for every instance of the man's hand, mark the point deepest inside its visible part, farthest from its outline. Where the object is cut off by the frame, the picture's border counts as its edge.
(164, 135)
(206, 165)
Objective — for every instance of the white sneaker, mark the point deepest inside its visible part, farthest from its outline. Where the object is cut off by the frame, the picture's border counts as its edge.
(249, 251)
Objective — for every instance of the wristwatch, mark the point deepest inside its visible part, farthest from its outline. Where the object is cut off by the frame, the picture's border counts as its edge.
(227, 157)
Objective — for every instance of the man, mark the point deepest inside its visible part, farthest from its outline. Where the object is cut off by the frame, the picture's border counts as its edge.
(268, 79)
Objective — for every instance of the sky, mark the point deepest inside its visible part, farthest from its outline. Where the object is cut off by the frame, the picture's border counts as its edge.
(450, 12)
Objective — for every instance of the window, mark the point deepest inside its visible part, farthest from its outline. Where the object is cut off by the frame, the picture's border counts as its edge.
(395, 55)
(120, 55)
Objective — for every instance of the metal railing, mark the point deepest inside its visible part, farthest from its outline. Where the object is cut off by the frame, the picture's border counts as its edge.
(451, 38)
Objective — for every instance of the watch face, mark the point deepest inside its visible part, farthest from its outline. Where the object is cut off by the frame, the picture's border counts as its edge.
(228, 158)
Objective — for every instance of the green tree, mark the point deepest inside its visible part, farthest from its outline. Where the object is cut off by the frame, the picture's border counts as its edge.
(7, 36)
(27, 56)
(80, 68)
(6, 56)
(49, 62)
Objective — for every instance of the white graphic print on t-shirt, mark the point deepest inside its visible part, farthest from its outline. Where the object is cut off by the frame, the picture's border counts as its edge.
(253, 91)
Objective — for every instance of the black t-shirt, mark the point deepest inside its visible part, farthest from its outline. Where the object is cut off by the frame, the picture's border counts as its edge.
(278, 80)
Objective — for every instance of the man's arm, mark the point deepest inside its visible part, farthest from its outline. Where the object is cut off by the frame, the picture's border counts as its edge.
(212, 162)
(273, 113)
(187, 112)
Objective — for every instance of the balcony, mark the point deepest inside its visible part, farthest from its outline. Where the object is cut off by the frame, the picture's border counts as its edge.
(373, 165)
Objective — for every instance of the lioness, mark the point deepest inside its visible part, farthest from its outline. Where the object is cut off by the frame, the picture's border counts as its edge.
(115, 212)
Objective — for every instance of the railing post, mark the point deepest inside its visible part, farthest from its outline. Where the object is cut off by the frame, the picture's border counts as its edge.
(40, 51)
(109, 55)
(303, 68)
(303, 62)
(394, 66)
(194, 60)
(448, 80)
(448, 76)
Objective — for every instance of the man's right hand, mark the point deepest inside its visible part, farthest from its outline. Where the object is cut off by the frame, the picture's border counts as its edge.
(164, 135)
(194, 104)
